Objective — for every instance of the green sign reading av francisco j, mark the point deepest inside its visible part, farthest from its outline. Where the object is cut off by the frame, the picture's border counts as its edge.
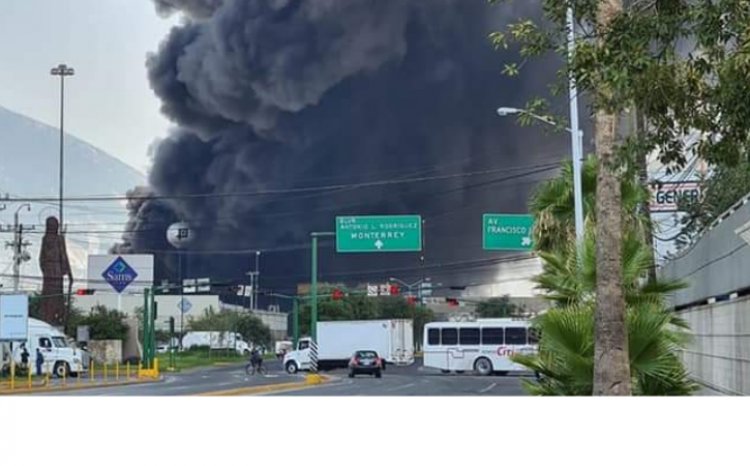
(379, 233)
(507, 232)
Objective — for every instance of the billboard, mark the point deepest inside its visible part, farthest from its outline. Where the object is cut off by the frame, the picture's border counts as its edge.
(14, 317)
(666, 196)
(120, 274)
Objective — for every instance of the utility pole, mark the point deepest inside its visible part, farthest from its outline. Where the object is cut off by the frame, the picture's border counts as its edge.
(62, 70)
(18, 245)
(256, 279)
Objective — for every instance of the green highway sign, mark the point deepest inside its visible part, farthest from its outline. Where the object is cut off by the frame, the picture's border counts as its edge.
(507, 232)
(379, 233)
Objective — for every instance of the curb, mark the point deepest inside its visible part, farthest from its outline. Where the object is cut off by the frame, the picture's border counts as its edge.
(270, 388)
(67, 388)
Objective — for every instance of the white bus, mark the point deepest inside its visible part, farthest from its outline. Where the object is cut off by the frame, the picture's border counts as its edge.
(482, 346)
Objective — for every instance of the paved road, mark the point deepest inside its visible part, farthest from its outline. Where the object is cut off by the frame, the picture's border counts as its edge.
(414, 381)
(191, 382)
(397, 381)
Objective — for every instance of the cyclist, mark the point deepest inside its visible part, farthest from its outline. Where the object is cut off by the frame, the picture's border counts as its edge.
(256, 359)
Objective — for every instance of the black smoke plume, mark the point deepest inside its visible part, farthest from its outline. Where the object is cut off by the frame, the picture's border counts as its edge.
(286, 94)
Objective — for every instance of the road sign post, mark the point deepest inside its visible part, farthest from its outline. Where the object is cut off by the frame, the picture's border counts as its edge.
(314, 283)
(507, 232)
(379, 233)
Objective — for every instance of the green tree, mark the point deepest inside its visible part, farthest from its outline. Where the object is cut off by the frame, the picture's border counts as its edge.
(685, 67)
(246, 324)
(498, 308)
(552, 205)
(566, 350)
(253, 330)
(103, 323)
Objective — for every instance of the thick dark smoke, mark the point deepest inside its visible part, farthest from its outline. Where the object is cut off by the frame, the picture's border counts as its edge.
(283, 94)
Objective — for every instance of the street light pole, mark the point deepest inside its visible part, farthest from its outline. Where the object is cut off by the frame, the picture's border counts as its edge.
(62, 70)
(576, 135)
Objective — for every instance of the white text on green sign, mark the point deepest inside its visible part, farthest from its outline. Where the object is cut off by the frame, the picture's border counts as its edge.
(507, 232)
(379, 233)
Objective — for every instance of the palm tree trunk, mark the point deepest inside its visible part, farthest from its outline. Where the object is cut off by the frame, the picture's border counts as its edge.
(611, 358)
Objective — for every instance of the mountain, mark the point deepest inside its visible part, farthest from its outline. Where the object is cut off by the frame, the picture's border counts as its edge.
(29, 161)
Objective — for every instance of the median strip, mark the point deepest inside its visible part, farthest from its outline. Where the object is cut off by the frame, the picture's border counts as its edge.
(309, 382)
(70, 387)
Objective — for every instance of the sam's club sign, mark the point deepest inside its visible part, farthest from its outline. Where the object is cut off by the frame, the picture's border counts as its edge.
(119, 274)
(127, 273)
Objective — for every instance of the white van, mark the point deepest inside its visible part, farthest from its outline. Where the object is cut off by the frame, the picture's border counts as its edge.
(60, 358)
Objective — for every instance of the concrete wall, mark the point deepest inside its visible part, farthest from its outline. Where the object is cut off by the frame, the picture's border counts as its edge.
(719, 355)
(716, 263)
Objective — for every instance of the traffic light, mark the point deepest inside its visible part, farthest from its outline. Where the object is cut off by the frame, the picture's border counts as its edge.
(84, 292)
(171, 325)
(337, 294)
(394, 290)
(411, 300)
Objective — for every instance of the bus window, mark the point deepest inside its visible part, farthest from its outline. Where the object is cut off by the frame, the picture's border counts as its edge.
(492, 336)
(515, 336)
(468, 336)
(534, 336)
(433, 336)
(449, 336)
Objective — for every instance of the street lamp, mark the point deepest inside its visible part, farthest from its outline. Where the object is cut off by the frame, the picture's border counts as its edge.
(577, 147)
(62, 70)
(409, 286)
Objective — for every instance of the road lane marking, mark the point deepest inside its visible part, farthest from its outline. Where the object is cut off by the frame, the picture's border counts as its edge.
(400, 387)
(486, 389)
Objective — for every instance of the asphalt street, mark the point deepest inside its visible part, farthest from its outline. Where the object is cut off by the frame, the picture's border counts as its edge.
(413, 381)
(193, 382)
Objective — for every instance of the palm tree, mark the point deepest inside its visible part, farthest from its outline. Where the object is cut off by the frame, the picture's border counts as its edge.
(552, 205)
(565, 361)
(566, 351)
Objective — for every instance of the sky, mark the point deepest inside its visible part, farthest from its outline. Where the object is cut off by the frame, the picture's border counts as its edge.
(108, 102)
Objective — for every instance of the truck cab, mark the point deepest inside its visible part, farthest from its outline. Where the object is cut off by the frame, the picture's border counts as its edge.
(60, 357)
(299, 358)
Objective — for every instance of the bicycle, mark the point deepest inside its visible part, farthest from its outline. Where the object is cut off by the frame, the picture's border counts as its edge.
(251, 369)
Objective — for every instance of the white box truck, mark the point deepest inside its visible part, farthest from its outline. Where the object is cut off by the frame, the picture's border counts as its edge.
(61, 358)
(393, 340)
(216, 341)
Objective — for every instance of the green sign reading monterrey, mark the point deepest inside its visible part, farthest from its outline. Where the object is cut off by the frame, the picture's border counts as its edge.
(379, 233)
(507, 232)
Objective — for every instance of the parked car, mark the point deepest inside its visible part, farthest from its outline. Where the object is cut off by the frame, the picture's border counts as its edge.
(365, 362)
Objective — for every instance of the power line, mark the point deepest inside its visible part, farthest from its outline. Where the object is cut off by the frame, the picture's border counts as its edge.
(273, 192)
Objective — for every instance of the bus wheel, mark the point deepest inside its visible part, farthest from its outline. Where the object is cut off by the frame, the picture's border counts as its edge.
(483, 366)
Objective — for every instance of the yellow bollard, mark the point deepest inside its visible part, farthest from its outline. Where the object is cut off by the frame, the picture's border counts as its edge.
(105, 372)
(127, 369)
(91, 370)
(46, 379)
(65, 375)
(12, 374)
(117, 371)
(156, 367)
(78, 376)
(29, 378)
